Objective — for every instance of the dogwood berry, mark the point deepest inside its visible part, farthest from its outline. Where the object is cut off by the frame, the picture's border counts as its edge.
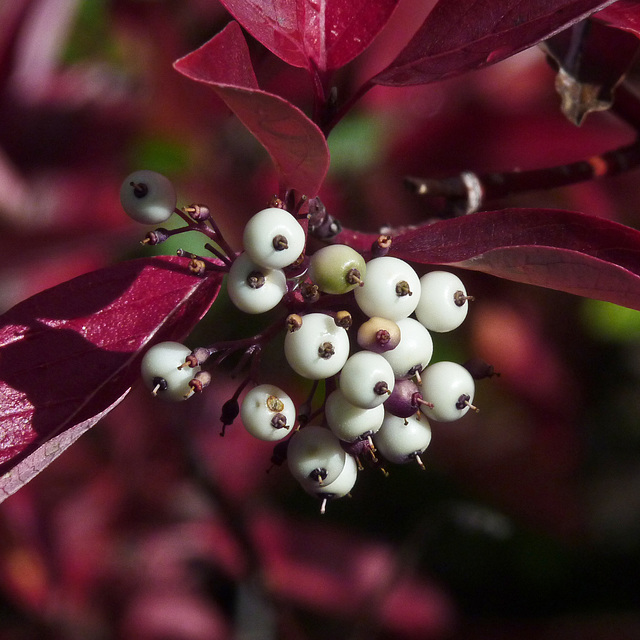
(268, 413)
(148, 197)
(366, 379)
(378, 334)
(339, 488)
(443, 304)
(315, 456)
(337, 269)
(273, 238)
(318, 348)
(391, 289)
(252, 288)
(413, 352)
(401, 440)
(349, 422)
(450, 387)
(164, 371)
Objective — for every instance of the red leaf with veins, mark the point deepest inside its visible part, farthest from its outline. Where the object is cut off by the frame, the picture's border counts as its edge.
(464, 35)
(69, 353)
(323, 35)
(296, 145)
(561, 250)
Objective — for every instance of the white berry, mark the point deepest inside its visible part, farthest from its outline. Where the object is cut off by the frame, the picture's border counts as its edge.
(450, 387)
(400, 440)
(163, 373)
(349, 422)
(148, 197)
(273, 238)
(366, 379)
(315, 456)
(252, 288)
(340, 487)
(413, 352)
(443, 302)
(391, 289)
(318, 349)
(268, 413)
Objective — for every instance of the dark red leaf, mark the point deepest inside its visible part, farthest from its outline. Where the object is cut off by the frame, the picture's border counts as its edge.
(464, 35)
(623, 14)
(29, 467)
(561, 250)
(296, 145)
(70, 352)
(321, 35)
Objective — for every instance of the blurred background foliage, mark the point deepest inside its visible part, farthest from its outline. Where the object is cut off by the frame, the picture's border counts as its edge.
(526, 521)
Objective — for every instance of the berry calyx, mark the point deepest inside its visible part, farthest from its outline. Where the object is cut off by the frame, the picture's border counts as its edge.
(163, 373)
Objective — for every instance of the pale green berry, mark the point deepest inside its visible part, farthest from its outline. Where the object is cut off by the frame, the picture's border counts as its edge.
(337, 269)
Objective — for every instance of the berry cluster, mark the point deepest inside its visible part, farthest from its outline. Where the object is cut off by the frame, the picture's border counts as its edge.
(363, 327)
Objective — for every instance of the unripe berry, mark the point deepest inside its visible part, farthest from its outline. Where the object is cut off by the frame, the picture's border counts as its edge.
(252, 288)
(268, 413)
(337, 269)
(273, 238)
(443, 302)
(148, 197)
(378, 334)
(318, 349)
(413, 352)
(349, 422)
(366, 379)
(391, 289)
(164, 371)
(450, 387)
(401, 440)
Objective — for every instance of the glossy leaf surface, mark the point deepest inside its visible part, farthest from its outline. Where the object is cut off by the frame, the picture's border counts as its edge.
(296, 145)
(561, 250)
(465, 35)
(70, 352)
(623, 14)
(322, 35)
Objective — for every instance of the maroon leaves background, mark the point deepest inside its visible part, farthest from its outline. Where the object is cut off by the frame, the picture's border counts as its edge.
(562, 250)
(322, 35)
(295, 144)
(465, 35)
(70, 352)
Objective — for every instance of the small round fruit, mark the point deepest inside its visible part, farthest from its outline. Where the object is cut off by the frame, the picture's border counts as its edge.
(273, 238)
(413, 352)
(148, 197)
(401, 440)
(349, 422)
(163, 373)
(252, 288)
(443, 302)
(337, 269)
(366, 379)
(340, 487)
(315, 456)
(450, 387)
(405, 399)
(318, 349)
(268, 413)
(378, 334)
(391, 289)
